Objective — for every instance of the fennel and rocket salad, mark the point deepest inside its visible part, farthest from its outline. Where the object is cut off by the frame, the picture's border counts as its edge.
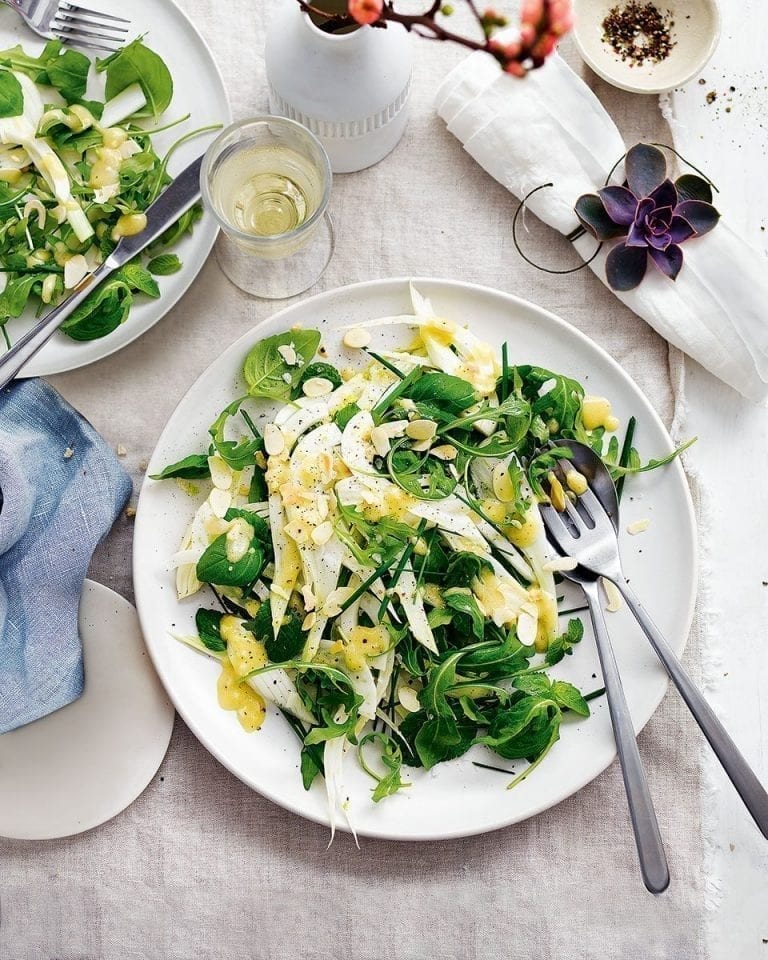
(375, 549)
(76, 174)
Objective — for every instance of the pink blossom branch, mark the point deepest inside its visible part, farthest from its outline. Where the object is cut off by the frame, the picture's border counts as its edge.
(543, 23)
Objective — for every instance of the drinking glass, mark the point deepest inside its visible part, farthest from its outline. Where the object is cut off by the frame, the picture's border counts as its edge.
(267, 182)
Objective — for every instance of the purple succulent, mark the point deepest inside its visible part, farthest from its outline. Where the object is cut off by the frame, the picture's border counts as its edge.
(653, 214)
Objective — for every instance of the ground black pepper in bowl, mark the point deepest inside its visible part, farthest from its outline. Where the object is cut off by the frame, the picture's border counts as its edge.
(639, 32)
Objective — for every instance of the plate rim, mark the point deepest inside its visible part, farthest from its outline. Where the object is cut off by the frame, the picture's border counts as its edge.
(208, 231)
(245, 339)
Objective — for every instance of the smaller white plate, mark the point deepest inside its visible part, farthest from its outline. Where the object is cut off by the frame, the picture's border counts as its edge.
(695, 31)
(84, 764)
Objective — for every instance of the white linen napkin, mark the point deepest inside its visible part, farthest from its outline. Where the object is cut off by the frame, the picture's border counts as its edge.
(550, 128)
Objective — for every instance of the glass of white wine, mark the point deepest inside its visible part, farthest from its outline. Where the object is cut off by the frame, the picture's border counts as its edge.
(267, 181)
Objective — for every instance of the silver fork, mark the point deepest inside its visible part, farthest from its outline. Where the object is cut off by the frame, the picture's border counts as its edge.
(588, 535)
(71, 23)
(650, 847)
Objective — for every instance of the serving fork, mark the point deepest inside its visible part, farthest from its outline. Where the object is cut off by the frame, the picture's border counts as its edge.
(650, 847)
(587, 531)
(71, 23)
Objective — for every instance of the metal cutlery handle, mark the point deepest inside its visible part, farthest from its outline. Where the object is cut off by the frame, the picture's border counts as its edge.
(741, 774)
(27, 346)
(650, 848)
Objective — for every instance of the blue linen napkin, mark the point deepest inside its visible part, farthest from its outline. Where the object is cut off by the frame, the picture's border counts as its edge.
(61, 489)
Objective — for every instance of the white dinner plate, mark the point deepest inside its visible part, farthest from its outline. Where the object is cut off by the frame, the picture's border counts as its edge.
(456, 798)
(199, 91)
(84, 764)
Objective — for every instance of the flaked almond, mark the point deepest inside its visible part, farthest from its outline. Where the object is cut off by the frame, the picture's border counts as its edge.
(421, 446)
(274, 442)
(445, 451)
(638, 526)
(612, 595)
(561, 563)
(288, 353)
(297, 530)
(409, 698)
(322, 533)
(356, 338)
(309, 597)
(238, 539)
(317, 387)
(220, 501)
(221, 472)
(381, 435)
(421, 429)
(527, 624)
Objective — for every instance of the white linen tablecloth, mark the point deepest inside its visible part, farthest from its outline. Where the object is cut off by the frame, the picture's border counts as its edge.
(202, 867)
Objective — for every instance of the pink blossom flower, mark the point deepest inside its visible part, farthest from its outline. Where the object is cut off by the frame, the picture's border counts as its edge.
(532, 12)
(365, 11)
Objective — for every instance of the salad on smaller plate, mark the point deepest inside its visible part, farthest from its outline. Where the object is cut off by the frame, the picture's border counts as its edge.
(77, 172)
(371, 550)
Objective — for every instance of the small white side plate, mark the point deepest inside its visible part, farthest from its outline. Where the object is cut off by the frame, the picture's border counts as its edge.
(84, 764)
(696, 32)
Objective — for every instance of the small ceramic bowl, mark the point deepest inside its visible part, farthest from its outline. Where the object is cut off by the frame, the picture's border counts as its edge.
(695, 34)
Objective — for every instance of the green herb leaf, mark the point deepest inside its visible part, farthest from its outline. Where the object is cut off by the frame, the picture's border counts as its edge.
(464, 568)
(193, 467)
(138, 278)
(68, 73)
(136, 63)
(164, 265)
(11, 95)
(208, 623)
(525, 729)
(561, 402)
(215, 567)
(239, 454)
(311, 764)
(441, 677)
(289, 641)
(14, 298)
(265, 370)
(442, 738)
(466, 604)
(569, 697)
(259, 525)
(101, 312)
(446, 392)
(343, 416)
(392, 758)
(325, 371)
(563, 645)
(635, 465)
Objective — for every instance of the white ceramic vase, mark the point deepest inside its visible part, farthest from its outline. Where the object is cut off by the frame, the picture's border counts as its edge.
(350, 89)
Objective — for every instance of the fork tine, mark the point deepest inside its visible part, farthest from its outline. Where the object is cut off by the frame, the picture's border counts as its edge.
(555, 522)
(81, 42)
(67, 22)
(75, 8)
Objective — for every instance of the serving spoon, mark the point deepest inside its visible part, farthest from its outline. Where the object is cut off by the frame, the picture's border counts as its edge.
(588, 532)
